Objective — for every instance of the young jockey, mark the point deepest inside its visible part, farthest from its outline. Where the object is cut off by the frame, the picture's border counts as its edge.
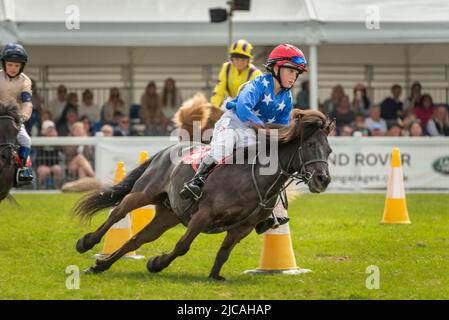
(15, 88)
(235, 72)
(266, 99)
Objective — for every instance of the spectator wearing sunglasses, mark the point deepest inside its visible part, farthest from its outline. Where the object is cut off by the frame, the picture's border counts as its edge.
(123, 129)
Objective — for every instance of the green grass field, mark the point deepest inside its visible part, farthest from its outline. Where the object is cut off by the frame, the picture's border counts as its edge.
(337, 236)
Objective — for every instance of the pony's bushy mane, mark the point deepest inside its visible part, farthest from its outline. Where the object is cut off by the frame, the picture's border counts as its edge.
(193, 109)
(10, 110)
(303, 123)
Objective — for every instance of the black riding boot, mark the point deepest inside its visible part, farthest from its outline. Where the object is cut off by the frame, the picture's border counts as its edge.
(24, 175)
(193, 188)
(268, 223)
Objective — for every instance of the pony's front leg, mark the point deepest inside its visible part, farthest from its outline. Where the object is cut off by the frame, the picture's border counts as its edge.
(195, 227)
(232, 238)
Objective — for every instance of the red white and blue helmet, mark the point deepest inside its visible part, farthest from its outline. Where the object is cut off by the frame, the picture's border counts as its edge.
(289, 56)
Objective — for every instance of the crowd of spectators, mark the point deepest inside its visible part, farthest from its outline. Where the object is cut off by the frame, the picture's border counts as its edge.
(394, 116)
(417, 115)
(153, 116)
(66, 115)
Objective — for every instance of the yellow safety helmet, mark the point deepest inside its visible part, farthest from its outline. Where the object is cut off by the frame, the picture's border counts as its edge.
(242, 47)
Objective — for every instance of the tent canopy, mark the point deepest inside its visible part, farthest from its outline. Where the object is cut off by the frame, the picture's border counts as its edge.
(174, 22)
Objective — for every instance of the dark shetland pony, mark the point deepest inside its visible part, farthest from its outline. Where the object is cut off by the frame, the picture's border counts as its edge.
(232, 198)
(9, 127)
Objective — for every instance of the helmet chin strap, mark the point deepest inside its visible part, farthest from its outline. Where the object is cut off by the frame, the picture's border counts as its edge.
(279, 79)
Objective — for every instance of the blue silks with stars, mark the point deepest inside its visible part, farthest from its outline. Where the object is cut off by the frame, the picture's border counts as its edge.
(257, 103)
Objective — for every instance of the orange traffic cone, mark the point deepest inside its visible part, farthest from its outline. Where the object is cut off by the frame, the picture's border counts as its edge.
(395, 206)
(277, 251)
(120, 232)
(142, 216)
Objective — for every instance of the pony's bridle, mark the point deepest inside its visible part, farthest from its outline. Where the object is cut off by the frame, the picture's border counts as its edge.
(302, 175)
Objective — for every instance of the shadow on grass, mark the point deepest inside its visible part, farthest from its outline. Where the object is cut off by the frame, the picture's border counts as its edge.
(181, 278)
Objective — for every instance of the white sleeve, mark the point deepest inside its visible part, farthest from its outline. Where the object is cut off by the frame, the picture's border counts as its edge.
(432, 128)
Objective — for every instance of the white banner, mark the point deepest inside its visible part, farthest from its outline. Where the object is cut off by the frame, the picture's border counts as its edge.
(356, 163)
(109, 152)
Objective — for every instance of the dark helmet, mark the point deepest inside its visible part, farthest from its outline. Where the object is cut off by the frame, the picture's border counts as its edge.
(14, 52)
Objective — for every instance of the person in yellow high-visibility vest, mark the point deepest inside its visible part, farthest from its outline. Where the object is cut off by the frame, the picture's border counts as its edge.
(235, 72)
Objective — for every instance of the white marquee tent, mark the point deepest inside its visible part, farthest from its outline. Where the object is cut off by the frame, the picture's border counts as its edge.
(174, 22)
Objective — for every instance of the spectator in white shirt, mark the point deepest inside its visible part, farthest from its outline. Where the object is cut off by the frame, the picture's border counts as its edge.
(374, 118)
(438, 125)
(88, 107)
(57, 105)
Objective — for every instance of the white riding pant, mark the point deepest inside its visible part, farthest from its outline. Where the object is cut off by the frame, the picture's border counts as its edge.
(279, 211)
(23, 138)
(229, 133)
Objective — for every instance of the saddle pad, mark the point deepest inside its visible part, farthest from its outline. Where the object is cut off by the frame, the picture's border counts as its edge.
(196, 155)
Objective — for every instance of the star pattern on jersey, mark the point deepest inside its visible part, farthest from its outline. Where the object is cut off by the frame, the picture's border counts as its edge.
(265, 83)
(281, 105)
(271, 108)
(267, 99)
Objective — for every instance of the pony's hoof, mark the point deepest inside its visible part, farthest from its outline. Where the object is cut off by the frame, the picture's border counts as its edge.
(81, 245)
(218, 278)
(151, 265)
(92, 270)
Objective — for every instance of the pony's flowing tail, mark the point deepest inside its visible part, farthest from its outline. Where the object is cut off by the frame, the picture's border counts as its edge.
(96, 201)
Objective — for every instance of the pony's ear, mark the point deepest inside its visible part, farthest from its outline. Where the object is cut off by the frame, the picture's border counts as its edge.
(330, 126)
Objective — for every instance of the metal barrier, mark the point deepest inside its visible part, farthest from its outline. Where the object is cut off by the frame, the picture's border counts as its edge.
(51, 159)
